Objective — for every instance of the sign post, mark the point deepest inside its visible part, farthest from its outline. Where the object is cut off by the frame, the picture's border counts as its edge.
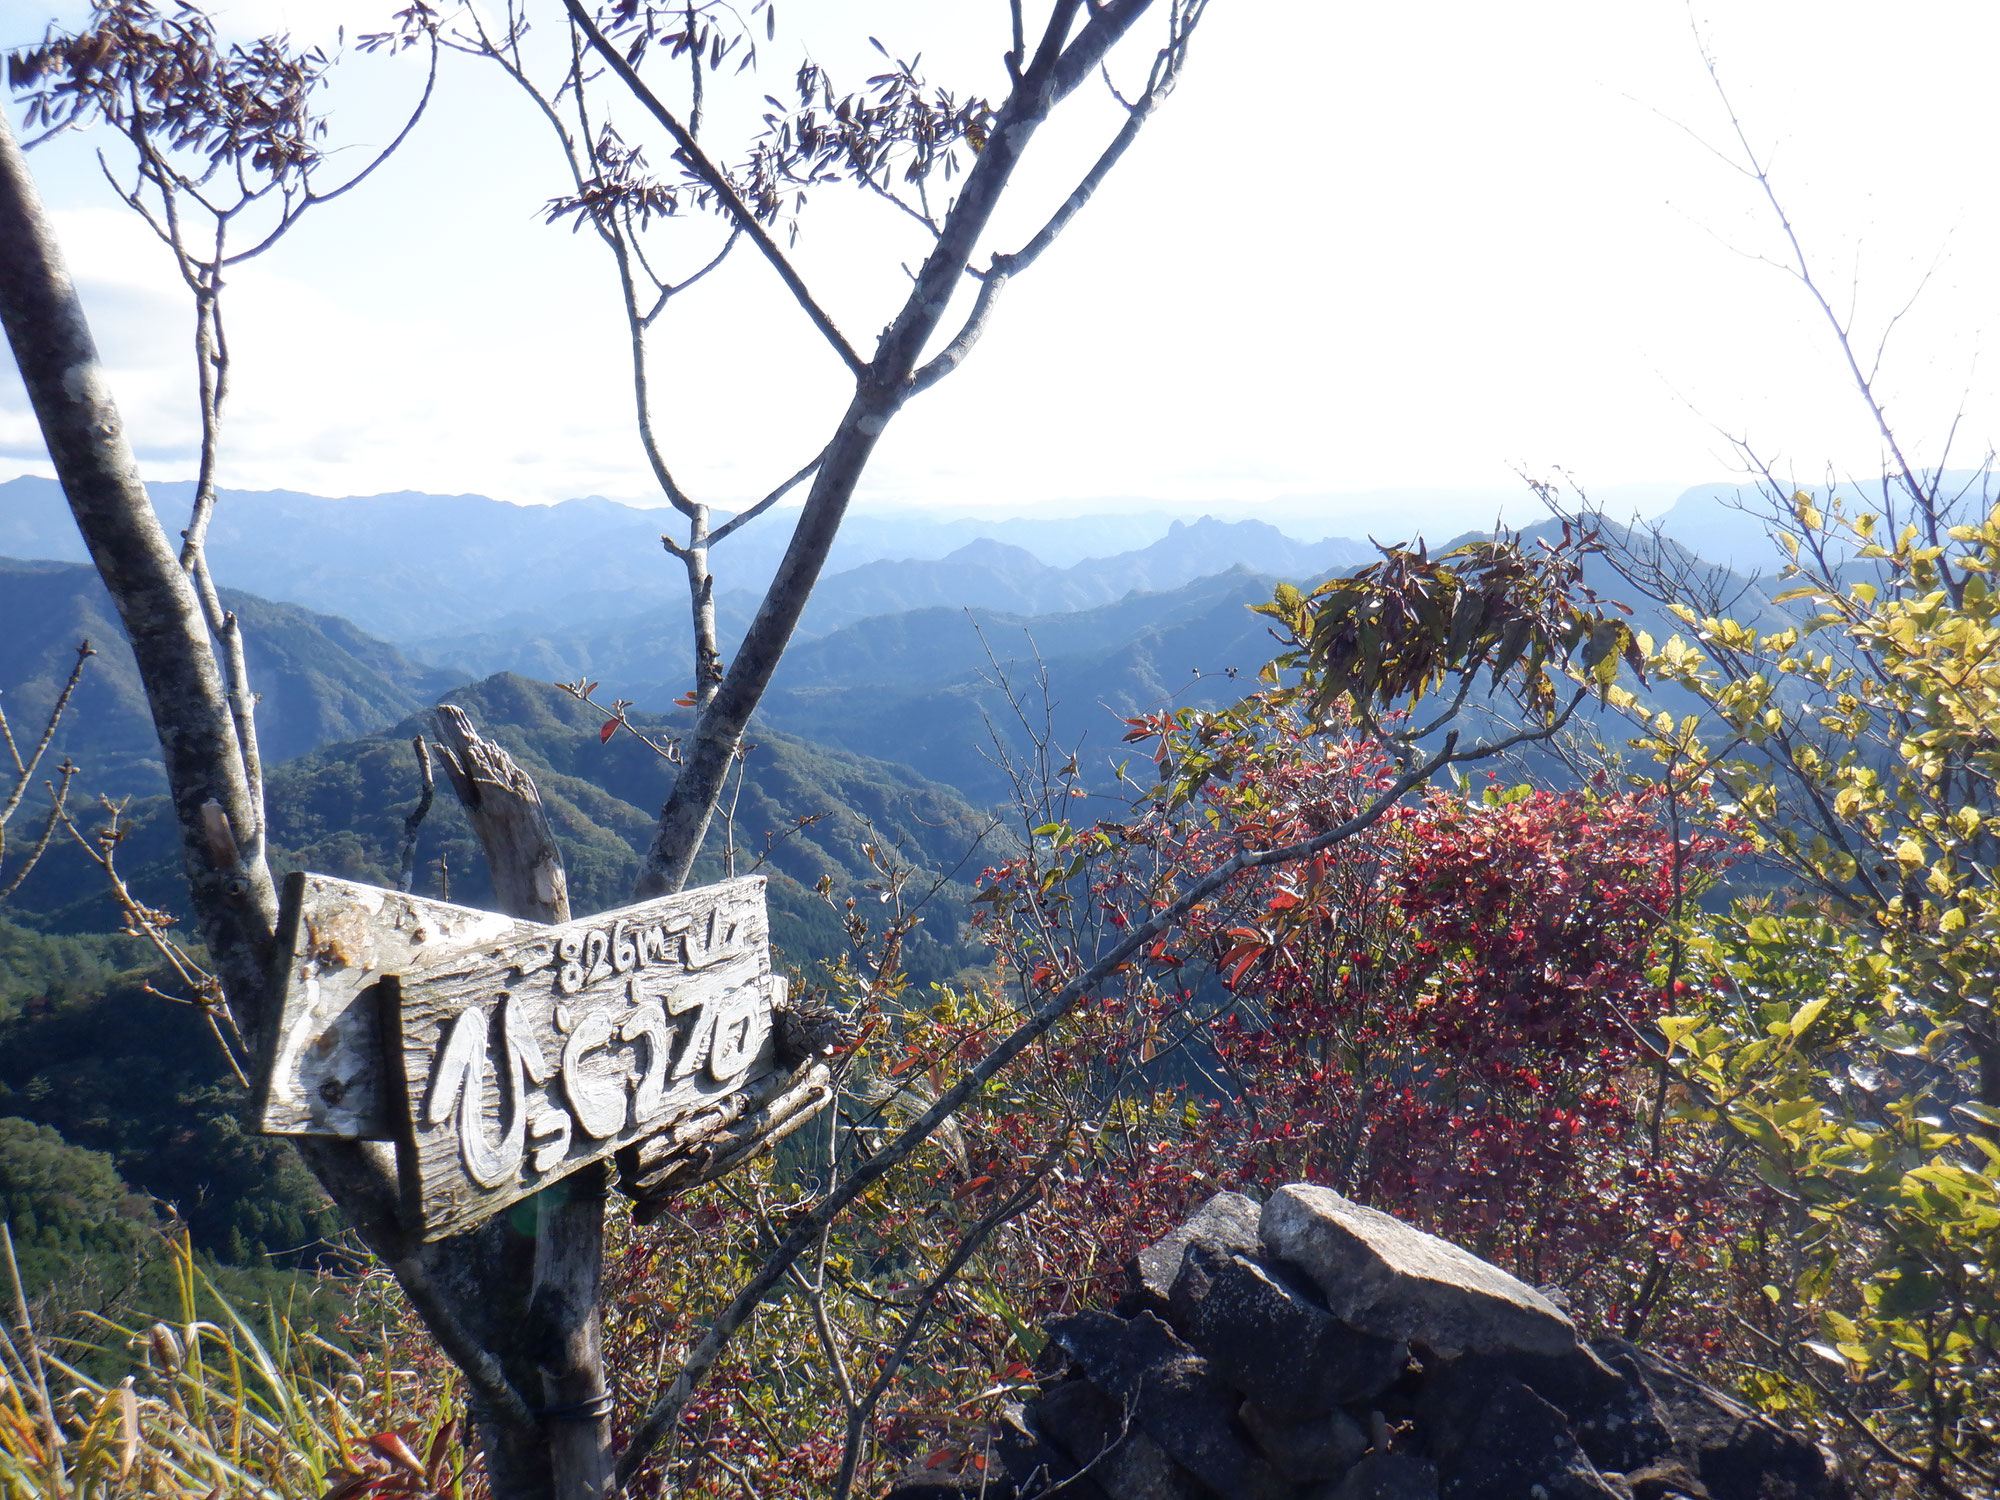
(497, 1055)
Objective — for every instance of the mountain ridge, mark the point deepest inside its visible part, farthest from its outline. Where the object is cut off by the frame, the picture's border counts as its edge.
(409, 565)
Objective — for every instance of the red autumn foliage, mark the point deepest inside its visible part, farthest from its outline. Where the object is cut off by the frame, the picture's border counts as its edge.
(1445, 1017)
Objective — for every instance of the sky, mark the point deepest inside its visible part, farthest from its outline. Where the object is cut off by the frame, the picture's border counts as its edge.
(1369, 263)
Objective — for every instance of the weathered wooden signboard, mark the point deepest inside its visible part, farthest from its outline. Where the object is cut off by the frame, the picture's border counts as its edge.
(500, 1055)
(327, 1074)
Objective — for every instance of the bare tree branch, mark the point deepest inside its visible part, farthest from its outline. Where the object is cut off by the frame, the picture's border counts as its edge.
(725, 192)
(58, 805)
(1005, 267)
(1753, 167)
(24, 770)
(735, 522)
(406, 859)
(879, 394)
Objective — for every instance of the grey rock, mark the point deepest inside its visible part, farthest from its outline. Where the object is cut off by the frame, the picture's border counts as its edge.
(1268, 1336)
(1034, 1463)
(1666, 1480)
(1227, 1221)
(1629, 1429)
(1385, 1278)
(1609, 1408)
(1310, 1452)
(1736, 1453)
(1097, 1433)
(1386, 1476)
(1498, 1440)
(1172, 1397)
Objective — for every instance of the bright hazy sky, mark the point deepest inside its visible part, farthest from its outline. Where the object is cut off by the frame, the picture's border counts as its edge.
(1366, 248)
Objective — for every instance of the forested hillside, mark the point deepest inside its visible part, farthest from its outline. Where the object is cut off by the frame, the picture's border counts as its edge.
(803, 815)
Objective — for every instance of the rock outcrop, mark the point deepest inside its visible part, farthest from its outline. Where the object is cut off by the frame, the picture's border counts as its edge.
(1313, 1349)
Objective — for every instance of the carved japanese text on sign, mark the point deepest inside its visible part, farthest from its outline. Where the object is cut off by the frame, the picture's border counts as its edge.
(531, 1056)
(326, 1072)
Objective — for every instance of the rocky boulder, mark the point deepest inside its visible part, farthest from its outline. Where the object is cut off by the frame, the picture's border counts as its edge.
(1313, 1349)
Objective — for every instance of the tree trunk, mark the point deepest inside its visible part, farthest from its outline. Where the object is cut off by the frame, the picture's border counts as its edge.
(506, 812)
(218, 816)
(881, 388)
(475, 1292)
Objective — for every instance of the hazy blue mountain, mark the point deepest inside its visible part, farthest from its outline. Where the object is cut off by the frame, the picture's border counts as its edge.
(487, 586)
(926, 687)
(991, 574)
(919, 687)
(919, 647)
(1198, 549)
(1724, 523)
(35, 522)
(409, 566)
(650, 649)
(652, 646)
(318, 676)
(1720, 523)
(986, 573)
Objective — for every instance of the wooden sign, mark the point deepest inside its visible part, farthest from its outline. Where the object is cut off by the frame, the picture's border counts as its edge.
(326, 1072)
(507, 1054)
(542, 1053)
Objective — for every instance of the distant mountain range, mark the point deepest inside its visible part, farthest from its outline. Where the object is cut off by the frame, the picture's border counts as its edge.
(1726, 523)
(991, 574)
(415, 568)
(946, 664)
(653, 647)
(957, 693)
(918, 687)
(318, 677)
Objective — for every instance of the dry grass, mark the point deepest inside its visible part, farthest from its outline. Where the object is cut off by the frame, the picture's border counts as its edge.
(213, 1408)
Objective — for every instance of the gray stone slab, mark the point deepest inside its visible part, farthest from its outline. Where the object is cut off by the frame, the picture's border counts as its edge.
(1267, 1336)
(1228, 1221)
(1383, 1277)
(1386, 1476)
(1172, 1397)
(1309, 1452)
(1101, 1438)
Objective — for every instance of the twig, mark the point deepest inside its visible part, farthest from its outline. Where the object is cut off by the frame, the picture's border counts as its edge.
(729, 526)
(206, 987)
(58, 802)
(24, 771)
(1925, 1473)
(33, 1363)
(1008, 1208)
(1005, 267)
